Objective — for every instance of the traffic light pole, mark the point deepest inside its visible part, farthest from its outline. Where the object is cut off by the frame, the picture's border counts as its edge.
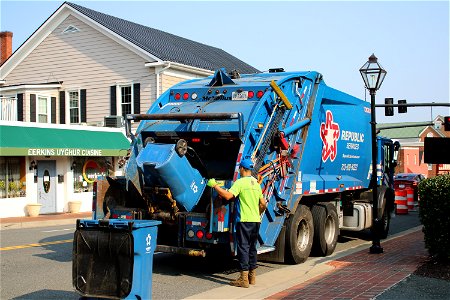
(412, 104)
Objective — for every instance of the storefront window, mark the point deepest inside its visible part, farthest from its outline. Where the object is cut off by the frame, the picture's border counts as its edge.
(86, 170)
(12, 182)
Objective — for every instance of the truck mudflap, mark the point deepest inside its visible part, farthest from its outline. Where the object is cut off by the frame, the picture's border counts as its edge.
(113, 258)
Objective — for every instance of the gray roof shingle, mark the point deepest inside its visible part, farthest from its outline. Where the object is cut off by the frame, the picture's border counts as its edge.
(166, 46)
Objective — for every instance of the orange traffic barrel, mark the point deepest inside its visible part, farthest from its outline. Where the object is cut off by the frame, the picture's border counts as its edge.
(410, 199)
(401, 207)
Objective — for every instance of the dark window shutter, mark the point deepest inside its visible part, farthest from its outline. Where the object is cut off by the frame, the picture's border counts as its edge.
(62, 107)
(83, 105)
(32, 107)
(19, 107)
(137, 98)
(53, 109)
(113, 101)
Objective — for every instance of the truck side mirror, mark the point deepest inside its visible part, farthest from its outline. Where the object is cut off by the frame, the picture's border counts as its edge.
(395, 156)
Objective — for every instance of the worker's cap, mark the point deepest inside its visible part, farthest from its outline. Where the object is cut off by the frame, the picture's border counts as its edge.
(247, 164)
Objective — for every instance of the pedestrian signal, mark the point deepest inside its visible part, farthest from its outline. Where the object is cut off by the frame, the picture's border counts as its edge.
(402, 109)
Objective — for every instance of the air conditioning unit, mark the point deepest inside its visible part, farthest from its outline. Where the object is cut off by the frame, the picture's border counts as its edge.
(114, 121)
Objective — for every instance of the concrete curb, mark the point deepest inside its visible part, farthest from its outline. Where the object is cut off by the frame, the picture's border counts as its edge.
(42, 220)
(20, 225)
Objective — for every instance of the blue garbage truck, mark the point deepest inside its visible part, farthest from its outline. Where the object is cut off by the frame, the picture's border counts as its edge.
(310, 144)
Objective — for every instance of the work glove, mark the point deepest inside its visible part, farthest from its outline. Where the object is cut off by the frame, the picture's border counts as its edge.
(262, 208)
(212, 183)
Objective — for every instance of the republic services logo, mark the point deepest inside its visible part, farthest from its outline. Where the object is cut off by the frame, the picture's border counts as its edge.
(329, 133)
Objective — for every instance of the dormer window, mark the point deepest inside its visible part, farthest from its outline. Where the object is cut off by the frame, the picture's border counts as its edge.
(71, 29)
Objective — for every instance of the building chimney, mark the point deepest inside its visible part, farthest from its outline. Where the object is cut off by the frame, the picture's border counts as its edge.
(5, 45)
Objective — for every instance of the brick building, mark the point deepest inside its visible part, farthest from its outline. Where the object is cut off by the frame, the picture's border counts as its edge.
(411, 138)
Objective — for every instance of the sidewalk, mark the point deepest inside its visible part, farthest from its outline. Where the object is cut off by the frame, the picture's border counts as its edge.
(42, 220)
(364, 275)
(350, 274)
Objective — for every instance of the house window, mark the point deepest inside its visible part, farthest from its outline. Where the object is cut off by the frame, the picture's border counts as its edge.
(43, 109)
(126, 99)
(8, 108)
(74, 107)
(10, 184)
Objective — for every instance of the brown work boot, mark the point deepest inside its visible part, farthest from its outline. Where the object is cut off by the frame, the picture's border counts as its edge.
(242, 280)
(252, 276)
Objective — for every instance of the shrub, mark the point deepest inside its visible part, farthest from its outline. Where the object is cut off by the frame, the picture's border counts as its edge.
(434, 212)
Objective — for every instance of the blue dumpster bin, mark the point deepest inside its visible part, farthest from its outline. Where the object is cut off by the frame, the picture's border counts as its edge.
(114, 258)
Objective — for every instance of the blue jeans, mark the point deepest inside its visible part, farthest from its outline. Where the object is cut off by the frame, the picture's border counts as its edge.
(247, 237)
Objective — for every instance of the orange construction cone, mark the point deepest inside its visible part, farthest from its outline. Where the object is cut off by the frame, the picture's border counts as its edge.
(410, 199)
(401, 207)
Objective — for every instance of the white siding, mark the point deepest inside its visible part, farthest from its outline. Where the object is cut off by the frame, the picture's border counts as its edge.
(171, 77)
(168, 81)
(86, 59)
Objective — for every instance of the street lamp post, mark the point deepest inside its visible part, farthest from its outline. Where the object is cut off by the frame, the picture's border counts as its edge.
(373, 75)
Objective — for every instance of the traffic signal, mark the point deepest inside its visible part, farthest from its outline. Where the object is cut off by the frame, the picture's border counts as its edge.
(389, 110)
(402, 109)
(447, 123)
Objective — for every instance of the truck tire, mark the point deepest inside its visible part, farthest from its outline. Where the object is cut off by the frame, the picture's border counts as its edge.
(385, 222)
(299, 235)
(326, 228)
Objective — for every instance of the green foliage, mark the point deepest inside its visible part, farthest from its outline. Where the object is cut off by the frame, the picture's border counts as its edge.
(434, 215)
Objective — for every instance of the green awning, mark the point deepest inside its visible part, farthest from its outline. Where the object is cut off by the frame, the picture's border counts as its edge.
(38, 141)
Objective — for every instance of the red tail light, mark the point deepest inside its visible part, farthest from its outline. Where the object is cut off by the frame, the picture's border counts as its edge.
(196, 140)
(185, 96)
(251, 94)
(209, 235)
(199, 234)
(259, 94)
(177, 96)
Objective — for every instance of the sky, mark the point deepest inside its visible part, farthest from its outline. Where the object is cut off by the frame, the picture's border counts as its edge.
(335, 38)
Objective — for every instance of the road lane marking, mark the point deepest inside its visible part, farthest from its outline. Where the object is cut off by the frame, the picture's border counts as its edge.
(56, 230)
(35, 245)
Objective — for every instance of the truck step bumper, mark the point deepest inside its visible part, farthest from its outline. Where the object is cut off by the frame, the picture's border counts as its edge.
(183, 251)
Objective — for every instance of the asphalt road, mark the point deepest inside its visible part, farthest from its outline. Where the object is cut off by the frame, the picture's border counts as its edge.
(45, 271)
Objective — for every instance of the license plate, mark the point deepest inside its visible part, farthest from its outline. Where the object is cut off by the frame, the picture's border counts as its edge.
(402, 186)
(239, 95)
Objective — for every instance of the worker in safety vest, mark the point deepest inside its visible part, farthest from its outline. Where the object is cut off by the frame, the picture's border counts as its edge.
(250, 204)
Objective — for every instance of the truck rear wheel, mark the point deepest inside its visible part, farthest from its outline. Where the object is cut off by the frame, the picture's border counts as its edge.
(385, 221)
(326, 228)
(299, 235)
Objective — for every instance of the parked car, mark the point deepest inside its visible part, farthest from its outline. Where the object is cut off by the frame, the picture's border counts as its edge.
(408, 180)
